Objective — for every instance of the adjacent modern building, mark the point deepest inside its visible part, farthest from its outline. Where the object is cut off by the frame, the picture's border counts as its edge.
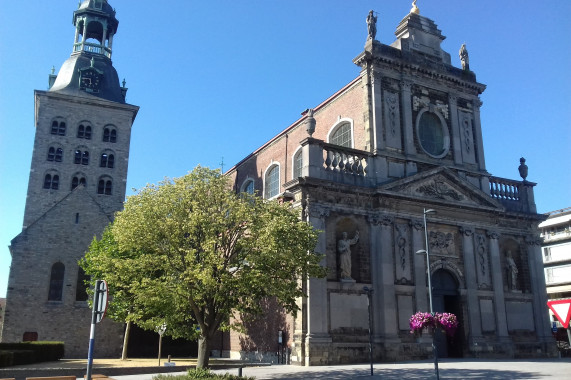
(556, 246)
(400, 143)
(77, 182)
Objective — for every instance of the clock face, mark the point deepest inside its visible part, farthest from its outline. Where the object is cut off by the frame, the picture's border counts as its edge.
(89, 80)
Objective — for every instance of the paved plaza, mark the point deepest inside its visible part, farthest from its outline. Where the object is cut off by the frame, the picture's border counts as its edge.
(555, 369)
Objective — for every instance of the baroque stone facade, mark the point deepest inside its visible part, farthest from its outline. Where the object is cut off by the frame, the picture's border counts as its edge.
(77, 182)
(403, 137)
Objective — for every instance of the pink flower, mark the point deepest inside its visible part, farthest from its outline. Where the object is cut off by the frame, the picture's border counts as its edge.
(446, 321)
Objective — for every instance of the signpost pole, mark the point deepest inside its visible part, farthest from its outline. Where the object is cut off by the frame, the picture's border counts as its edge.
(97, 314)
(92, 332)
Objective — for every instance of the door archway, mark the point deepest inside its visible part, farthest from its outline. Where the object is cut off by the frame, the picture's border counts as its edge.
(446, 298)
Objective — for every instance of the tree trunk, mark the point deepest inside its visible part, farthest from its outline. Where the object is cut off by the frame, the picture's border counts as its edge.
(203, 352)
(126, 341)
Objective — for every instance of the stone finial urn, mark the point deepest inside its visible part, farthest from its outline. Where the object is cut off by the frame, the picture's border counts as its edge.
(310, 122)
(522, 168)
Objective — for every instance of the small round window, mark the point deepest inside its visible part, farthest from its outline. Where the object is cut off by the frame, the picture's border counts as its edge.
(432, 135)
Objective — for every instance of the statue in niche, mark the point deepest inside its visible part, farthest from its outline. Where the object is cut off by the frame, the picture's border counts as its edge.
(512, 271)
(464, 57)
(344, 249)
(371, 25)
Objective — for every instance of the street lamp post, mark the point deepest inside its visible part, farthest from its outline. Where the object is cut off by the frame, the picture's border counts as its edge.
(369, 292)
(434, 350)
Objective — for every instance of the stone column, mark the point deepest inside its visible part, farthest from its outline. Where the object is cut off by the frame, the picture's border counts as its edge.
(478, 135)
(498, 283)
(470, 268)
(84, 35)
(317, 340)
(537, 274)
(407, 122)
(76, 35)
(104, 22)
(420, 279)
(456, 141)
(384, 301)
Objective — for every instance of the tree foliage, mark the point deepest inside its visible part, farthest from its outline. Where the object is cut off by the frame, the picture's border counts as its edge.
(192, 253)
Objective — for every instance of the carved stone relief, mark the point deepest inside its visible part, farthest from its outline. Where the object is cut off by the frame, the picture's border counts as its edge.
(442, 242)
(402, 254)
(440, 190)
(467, 137)
(482, 261)
(392, 120)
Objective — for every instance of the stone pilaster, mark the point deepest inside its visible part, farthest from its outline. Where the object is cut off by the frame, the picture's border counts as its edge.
(317, 307)
(420, 289)
(378, 136)
(456, 141)
(498, 284)
(475, 325)
(478, 131)
(540, 311)
(407, 122)
(384, 300)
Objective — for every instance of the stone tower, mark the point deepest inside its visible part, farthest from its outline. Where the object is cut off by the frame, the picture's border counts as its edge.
(77, 182)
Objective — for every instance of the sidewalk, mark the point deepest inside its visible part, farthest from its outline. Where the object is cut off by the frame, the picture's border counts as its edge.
(471, 369)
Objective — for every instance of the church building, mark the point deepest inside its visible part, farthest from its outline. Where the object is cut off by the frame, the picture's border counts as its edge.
(77, 182)
(390, 167)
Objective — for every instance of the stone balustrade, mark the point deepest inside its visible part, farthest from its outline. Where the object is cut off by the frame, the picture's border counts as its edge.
(501, 188)
(345, 160)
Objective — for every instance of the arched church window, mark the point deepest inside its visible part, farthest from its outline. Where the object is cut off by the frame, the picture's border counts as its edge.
(248, 187)
(55, 154)
(297, 163)
(56, 282)
(81, 157)
(342, 135)
(272, 181)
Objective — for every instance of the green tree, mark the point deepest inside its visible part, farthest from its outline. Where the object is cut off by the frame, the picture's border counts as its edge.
(191, 253)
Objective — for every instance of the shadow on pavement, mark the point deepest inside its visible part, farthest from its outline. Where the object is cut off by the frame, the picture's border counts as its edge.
(398, 374)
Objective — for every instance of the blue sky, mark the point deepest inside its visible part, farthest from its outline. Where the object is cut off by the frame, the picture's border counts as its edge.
(216, 79)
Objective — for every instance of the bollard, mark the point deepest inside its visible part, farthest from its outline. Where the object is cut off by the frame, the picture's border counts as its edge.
(169, 358)
(239, 371)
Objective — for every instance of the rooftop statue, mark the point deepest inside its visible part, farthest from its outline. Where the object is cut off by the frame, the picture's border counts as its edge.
(371, 25)
(464, 57)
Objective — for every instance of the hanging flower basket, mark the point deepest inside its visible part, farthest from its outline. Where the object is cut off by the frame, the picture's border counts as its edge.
(425, 321)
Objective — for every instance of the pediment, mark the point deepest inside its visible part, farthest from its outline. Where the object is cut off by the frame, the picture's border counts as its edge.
(442, 185)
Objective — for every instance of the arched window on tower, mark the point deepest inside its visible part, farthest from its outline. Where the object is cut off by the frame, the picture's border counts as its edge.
(58, 128)
(105, 186)
(109, 134)
(77, 180)
(107, 160)
(81, 157)
(55, 154)
(84, 132)
(51, 181)
(56, 282)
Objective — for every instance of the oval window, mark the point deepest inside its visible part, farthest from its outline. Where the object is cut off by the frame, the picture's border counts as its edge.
(432, 135)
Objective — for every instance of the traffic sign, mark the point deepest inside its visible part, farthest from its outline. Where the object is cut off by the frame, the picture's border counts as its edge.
(562, 310)
(101, 307)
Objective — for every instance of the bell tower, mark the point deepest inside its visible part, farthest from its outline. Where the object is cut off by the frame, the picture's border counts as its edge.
(77, 182)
